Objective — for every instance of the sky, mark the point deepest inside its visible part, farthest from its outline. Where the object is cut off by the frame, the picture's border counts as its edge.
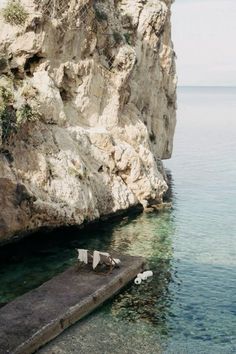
(204, 36)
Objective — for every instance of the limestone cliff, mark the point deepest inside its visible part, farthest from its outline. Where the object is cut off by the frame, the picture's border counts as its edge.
(87, 109)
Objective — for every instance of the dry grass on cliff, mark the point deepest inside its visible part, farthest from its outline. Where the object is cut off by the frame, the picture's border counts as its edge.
(14, 13)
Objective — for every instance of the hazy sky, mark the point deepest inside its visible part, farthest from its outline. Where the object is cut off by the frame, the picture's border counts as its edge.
(204, 34)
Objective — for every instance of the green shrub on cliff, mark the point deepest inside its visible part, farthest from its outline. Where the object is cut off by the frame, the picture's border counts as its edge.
(11, 118)
(6, 96)
(7, 113)
(14, 13)
(128, 38)
(7, 122)
(26, 114)
(100, 15)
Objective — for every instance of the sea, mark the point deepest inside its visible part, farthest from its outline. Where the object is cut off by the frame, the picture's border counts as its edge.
(189, 306)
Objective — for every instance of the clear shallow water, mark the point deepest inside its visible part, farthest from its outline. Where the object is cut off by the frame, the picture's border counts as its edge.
(190, 305)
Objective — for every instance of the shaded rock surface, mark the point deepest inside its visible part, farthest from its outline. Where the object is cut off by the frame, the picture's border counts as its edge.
(87, 111)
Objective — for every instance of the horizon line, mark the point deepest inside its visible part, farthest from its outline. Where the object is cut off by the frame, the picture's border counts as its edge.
(210, 86)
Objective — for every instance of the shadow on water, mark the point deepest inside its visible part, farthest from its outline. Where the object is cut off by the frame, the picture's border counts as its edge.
(34, 260)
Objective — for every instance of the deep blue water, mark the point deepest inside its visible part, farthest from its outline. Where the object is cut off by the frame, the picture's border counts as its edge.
(190, 304)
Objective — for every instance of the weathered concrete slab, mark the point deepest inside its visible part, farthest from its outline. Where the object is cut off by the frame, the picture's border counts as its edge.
(35, 318)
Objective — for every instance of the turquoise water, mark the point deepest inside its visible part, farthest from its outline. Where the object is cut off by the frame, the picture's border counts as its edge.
(190, 304)
(204, 241)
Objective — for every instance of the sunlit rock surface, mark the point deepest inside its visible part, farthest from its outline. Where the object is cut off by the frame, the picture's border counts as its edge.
(99, 78)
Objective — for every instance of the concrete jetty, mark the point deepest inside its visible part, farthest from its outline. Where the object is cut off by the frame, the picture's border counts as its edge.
(35, 318)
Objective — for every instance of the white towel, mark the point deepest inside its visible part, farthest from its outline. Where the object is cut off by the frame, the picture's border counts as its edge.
(83, 256)
(116, 261)
(105, 254)
(96, 258)
(142, 276)
(148, 273)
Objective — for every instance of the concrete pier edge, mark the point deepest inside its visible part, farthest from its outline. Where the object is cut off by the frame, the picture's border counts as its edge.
(35, 318)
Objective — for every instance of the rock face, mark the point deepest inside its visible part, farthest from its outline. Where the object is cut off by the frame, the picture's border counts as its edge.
(87, 110)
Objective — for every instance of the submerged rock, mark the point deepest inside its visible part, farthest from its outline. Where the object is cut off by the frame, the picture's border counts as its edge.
(87, 110)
